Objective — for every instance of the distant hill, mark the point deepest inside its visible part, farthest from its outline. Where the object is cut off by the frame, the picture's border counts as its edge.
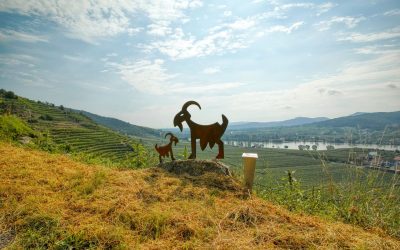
(374, 121)
(286, 123)
(122, 126)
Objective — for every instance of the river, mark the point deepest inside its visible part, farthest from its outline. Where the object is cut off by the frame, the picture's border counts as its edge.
(320, 145)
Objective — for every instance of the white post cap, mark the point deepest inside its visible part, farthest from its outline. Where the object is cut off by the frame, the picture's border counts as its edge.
(249, 155)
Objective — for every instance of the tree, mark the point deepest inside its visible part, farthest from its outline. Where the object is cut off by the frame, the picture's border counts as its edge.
(314, 147)
(10, 95)
(330, 147)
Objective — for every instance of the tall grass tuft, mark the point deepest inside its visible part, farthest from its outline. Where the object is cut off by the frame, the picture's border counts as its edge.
(365, 197)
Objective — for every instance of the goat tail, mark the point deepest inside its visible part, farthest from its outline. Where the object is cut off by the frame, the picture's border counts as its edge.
(156, 147)
(224, 123)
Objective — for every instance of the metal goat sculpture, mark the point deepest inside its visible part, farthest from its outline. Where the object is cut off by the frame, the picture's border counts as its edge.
(165, 150)
(208, 134)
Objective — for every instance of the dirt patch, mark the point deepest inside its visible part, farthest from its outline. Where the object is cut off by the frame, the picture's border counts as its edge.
(211, 174)
(147, 197)
(242, 216)
(6, 238)
(196, 167)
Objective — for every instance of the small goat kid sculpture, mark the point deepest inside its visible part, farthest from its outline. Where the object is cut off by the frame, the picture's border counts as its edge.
(167, 149)
(208, 134)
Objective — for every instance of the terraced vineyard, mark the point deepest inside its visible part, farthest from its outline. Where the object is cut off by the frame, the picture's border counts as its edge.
(71, 131)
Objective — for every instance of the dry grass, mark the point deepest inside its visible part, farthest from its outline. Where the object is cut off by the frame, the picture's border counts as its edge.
(50, 201)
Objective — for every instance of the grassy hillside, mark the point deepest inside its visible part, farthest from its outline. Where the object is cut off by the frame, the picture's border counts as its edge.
(123, 127)
(59, 129)
(51, 202)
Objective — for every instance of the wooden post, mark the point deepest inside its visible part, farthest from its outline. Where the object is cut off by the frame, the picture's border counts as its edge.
(249, 166)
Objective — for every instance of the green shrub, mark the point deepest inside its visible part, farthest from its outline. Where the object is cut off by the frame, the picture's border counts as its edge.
(38, 232)
(11, 128)
(9, 95)
(46, 117)
(76, 241)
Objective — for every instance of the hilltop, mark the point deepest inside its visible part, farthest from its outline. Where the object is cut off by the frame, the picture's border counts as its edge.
(51, 201)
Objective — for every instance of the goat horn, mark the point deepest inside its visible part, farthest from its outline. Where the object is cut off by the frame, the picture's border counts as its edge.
(168, 134)
(187, 104)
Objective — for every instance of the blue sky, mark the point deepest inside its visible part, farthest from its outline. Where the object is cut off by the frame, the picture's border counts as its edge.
(252, 60)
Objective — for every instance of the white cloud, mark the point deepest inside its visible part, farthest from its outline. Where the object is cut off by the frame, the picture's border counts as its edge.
(281, 11)
(285, 29)
(242, 24)
(12, 35)
(195, 4)
(294, 5)
(22, 68)
(377, 49)
(320, 8)
(181, 46)
(160, 28)
(205, 88)
(325, 7)
(394, 12)
(17, 59)
(280, 28)
(225, 38)
(227, 13)
(144, 75)
(77, 58)
(211, 70)
(151, 77)
(91, 20)
(349, 22)
(371, 37)
(86, 20)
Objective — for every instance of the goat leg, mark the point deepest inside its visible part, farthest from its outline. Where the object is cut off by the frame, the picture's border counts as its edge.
(220, 149)
(193, 144)
(172, 155)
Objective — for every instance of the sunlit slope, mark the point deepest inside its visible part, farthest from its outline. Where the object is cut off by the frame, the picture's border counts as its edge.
(50, 201)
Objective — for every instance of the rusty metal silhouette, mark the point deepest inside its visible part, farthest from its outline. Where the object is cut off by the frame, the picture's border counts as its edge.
(166, 150)
(208, 134)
